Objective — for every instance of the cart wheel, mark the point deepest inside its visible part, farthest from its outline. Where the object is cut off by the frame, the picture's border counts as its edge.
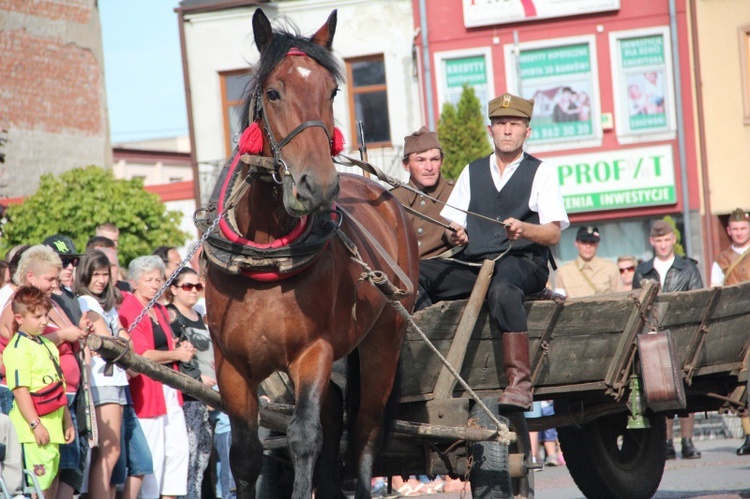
(606, 459)
(490, 476)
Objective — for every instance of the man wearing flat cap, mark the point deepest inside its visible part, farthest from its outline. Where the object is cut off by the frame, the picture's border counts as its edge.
(588, 274)
(674, 273)
(521, 197)
(423, 158)
(733, 266)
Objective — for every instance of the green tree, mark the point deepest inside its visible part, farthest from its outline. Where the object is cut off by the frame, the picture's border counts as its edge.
(462, 133)
(78, 200)
(679, 250)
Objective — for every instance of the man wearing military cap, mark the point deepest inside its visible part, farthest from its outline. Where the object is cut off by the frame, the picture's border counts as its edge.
(733, 266)
(588, 274)
(522, 195)
(423, 158)
(674, 273)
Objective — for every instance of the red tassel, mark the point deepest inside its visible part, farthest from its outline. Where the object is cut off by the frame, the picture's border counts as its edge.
(337, 143)
(251, 141)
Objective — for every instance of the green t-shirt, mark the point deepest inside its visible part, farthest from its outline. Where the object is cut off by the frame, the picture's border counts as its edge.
(27, 364)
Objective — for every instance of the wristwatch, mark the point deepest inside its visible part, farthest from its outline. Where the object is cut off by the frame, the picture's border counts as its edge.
(34, 424)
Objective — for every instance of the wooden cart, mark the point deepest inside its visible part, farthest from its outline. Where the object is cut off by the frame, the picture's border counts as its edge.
(585, 358)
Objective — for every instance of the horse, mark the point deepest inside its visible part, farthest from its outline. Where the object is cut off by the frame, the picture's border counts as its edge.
(302, 318)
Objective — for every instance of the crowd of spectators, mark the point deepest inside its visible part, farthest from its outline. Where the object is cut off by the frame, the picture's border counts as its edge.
(88, 427)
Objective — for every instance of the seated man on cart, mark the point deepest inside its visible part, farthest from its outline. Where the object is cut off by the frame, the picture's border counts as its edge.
(521, 197)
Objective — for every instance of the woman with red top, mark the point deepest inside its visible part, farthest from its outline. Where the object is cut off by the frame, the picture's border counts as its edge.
(158, 406)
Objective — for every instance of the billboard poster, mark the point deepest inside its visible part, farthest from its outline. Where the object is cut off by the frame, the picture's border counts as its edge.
(642, 81)
(464, 67)
(560, 77)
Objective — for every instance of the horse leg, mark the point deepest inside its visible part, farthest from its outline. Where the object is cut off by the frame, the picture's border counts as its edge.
(246, 452)
(378, 366)
(328, 479)
(311, 373)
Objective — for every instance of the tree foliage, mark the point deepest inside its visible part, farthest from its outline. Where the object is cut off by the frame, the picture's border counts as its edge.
(462, 133)
(78, 200)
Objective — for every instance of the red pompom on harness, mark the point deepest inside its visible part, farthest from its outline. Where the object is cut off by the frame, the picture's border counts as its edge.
(251, 141)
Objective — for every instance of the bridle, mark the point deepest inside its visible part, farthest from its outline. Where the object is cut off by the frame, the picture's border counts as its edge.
(276, 147)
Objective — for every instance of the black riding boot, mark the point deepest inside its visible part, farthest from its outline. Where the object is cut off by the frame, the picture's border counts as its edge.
(688, 449)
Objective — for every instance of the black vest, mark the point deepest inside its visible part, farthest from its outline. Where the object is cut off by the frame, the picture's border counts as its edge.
(486, 239)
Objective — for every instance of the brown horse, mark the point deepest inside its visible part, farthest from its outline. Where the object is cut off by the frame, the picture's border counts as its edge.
(309, 317)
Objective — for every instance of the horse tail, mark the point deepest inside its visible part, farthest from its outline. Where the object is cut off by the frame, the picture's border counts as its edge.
(391, 408)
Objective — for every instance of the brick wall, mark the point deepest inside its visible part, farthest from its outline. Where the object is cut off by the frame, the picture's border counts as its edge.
(52, 95)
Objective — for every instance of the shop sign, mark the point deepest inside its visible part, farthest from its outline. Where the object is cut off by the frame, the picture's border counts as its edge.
(492, 12)
(616, 180)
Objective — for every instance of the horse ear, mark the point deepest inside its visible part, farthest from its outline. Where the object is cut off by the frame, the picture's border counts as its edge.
(324, 36)
(262, 30)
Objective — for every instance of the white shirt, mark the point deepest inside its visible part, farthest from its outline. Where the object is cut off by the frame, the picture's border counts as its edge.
(5, 293)
(717, 275)
(546, 198)
(98, 364)
(661, 267)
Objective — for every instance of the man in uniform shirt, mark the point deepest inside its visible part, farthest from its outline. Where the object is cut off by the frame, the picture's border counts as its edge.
(588, 274)
(733, 266)
(423, 158)
(522, 194)
(674, 273)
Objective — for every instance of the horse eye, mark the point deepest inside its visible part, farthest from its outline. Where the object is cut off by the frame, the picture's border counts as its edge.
(272, 94)
(335, 93)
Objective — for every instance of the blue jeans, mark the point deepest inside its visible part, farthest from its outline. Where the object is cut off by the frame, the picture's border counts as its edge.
(222, 442)
(135, 456)
(6, 399)
(73, 455)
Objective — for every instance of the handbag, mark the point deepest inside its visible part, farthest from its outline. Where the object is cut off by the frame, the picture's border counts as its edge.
(51, 397)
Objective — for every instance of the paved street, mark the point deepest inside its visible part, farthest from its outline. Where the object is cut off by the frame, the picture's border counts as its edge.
(719, 474)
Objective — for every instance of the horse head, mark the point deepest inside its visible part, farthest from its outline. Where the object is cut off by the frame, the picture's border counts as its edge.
(295, 84)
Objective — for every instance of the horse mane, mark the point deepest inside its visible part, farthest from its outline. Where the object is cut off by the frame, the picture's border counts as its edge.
(283, 40)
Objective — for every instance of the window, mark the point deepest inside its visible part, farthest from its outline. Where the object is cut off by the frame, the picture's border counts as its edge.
(642, 85)
(457, 68)
(233, 87)
(368, 100)
(745, 70)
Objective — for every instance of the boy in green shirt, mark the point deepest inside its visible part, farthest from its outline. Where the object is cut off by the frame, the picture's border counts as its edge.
(32, 363)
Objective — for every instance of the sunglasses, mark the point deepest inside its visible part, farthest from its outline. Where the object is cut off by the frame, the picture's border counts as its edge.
(627, 269)
(70, 261)
(188, 286)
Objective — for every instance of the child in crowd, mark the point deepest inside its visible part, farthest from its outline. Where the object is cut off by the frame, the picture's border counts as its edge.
(33, 367)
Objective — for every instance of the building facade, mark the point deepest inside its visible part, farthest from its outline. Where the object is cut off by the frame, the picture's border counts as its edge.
(374, 41)
(614, 98)
(53, 107)
(722, 61)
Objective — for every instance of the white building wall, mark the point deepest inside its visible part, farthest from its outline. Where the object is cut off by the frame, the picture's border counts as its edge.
(223, 41)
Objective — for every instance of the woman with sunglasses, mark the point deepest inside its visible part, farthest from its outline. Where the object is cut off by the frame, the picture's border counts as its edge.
(627, 265)
(188, 325)
(96, 293)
